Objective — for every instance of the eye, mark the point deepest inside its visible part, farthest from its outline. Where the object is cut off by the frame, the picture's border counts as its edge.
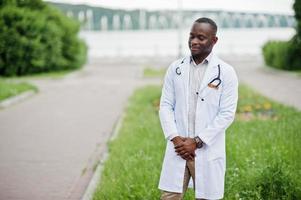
(201, 38)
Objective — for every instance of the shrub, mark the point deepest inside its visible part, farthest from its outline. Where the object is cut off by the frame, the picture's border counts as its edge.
(283, 54)
(35, 37)
(286, 55)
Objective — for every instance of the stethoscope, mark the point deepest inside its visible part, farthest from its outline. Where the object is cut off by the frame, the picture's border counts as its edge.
(216, 80)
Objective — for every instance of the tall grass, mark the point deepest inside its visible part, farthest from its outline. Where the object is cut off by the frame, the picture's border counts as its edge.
(263, 151)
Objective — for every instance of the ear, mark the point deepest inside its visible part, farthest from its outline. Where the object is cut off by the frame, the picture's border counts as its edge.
(215, 39)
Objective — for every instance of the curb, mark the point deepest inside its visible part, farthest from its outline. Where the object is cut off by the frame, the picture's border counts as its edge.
(16, 99)
(96, 178)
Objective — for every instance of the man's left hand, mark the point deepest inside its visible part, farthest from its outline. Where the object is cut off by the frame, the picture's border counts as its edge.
(186, 148)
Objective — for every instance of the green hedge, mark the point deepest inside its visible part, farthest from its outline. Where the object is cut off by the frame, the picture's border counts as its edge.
(286, 54)
(35, 37)
(282, 55)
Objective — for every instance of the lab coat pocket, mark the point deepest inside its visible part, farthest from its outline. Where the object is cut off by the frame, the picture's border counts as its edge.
(211, 96)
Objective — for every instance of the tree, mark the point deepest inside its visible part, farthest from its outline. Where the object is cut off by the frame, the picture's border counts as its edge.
(36, 37)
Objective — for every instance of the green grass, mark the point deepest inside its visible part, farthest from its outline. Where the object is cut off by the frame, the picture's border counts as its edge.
(154, 73)
(51, 75)
(43, 75)
(11, 86)
(263, 151)
(9, 89)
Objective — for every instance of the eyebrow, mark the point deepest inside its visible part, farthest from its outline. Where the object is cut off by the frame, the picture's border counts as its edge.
(197, 34)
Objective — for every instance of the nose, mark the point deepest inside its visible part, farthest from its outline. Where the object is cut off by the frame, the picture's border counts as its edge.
(194, 41)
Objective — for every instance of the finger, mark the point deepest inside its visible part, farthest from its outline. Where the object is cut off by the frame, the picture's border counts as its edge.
(179, 149)
(189, 157)
(183, 152)
(179, 146)
(182, 138)
(185, 157)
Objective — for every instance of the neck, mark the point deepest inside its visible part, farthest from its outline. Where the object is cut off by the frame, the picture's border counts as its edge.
(199, 58)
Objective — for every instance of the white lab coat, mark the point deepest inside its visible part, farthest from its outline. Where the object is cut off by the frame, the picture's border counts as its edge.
(214, 113)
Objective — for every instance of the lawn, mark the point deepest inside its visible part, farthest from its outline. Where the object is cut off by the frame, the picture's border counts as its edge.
(11, 86)
(9, 89)
(263, 151)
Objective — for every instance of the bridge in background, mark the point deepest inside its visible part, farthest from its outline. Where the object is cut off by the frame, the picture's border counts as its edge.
(98, 18)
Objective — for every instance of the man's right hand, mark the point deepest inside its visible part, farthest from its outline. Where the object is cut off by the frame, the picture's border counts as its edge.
(179, 140)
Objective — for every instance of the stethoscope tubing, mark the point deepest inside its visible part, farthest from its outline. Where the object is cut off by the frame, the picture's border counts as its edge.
(178, 72)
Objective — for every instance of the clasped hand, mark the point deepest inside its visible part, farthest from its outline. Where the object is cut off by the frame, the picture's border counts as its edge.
(185, 147)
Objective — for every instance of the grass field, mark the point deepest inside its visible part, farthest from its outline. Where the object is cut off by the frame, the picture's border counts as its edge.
(9, 89)
(263, 151)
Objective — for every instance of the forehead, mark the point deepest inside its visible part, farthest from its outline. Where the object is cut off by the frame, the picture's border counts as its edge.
(202, 28)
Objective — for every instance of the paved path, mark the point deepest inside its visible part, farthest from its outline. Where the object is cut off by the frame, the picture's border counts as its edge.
(50, 143)
(284, 87)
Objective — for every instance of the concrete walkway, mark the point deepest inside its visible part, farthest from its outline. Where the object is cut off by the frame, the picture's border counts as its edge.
(50, 143)
(284, 87)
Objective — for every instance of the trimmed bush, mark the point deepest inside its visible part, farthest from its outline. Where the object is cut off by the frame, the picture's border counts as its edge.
(286, 54)
(35, 37)
(283, 54)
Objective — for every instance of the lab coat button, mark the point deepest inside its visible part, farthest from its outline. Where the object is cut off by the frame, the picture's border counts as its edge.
(202, 99)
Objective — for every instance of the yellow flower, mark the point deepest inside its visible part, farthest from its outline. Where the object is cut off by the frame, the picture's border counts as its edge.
(267, 105)
(248, 108)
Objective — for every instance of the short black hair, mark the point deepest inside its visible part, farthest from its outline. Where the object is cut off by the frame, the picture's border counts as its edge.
(208, 21)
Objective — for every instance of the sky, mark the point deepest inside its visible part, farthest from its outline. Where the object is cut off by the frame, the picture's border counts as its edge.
(262, 6)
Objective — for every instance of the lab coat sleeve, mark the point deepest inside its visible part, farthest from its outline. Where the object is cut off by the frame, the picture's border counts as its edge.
(167, 105)
(227, 109)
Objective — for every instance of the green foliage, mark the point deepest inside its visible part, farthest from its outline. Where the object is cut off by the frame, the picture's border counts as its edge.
(263, 156)
(276, 53)
(35, 37)
(286, 54)
(9, 89)
(283, 54)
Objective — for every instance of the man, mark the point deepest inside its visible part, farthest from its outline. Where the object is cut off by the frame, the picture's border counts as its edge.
(198, 103)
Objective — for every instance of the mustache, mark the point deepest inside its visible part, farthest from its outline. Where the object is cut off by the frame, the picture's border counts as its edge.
(194, 45)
